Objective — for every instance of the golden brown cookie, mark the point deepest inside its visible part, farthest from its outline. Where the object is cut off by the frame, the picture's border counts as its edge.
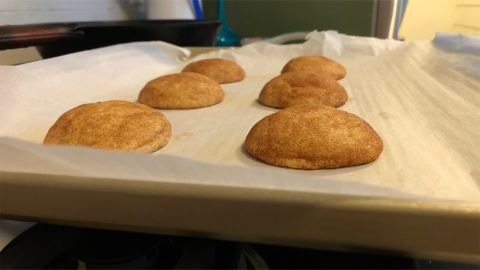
(313, 137)
(115, 125)
(316, 63)
(221, 70)
(294, 88)
(185, 90)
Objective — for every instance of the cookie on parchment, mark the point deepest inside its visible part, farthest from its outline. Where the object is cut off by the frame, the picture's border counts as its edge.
(115, 125)
(313, 137)
(221, 70)
(294, 88)
(186, 90)
(316, 63)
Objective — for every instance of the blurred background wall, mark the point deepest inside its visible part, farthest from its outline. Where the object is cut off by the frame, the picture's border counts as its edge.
(249, 18)
(424, 17)
(263, 18)
(254, 18)
(16, 12)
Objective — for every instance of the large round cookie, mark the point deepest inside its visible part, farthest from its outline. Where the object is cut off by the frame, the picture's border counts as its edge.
(313, 137)
(185, 90)
(116, 125)
(294, 88)
(316, 63)
(221, 70)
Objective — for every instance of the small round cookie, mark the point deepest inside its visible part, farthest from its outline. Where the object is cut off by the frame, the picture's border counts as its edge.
(221, 70)
(313, 137)
(294, 88)
(186, 90)
(114, 125)
(316, 63)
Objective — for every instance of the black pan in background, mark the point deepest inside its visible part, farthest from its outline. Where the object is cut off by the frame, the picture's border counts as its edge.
(62, 38)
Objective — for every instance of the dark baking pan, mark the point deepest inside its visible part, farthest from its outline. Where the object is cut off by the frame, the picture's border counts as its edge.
(61, 38)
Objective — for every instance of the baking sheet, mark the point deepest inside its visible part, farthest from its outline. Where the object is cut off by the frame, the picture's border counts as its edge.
(422, 99)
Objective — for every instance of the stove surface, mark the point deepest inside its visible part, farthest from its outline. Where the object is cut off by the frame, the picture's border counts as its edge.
(43, 246)
(10, 229)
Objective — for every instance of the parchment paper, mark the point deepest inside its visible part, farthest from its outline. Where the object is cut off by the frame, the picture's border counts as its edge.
(422, 98)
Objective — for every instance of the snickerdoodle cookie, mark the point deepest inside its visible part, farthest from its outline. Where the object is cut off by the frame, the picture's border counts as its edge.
(115, 125)
(313, 137)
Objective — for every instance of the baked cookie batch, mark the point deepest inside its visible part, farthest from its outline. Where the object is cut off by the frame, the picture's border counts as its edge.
(309, 133)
